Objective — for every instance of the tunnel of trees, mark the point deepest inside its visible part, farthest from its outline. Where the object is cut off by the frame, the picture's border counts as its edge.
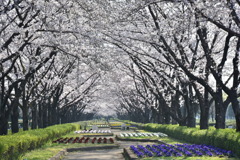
(167, 62)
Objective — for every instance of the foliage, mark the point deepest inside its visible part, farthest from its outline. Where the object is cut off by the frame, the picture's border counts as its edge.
(223, 138)
(179, 150)
(11, 146)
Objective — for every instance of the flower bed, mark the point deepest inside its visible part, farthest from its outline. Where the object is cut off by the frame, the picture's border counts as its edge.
(143, 135)
(100, 126)
(83, 140)
(227, 139)
(94, 131)
(179, 150)
(118, 124)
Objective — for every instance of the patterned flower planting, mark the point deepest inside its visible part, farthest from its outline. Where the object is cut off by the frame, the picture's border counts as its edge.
(179, 150)
(83, 140)
(100, 125)
(118, 124)
(94, 131)
(143, 135)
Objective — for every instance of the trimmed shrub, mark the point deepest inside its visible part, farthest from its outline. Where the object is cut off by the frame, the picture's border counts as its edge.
(227, 139)
(11, 146)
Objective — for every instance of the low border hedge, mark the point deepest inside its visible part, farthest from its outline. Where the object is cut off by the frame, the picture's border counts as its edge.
(11, 146)
(227, 138)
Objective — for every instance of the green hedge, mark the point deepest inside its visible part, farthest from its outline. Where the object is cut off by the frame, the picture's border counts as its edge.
(11, 146)
(227, 139)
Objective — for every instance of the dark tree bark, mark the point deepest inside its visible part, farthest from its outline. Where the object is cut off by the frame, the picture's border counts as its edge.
(3, 125)
(49, 113)
(25, 118)
(236, 109)
(15, 110)
(40, 115)
(34, 117)
(220, 115)
(44, 114)
(233, 93)
(14, 119)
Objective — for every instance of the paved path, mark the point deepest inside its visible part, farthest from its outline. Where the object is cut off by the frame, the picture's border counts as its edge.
(107, 154)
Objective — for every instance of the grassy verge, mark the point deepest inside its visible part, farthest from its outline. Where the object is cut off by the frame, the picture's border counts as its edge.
(13, 145)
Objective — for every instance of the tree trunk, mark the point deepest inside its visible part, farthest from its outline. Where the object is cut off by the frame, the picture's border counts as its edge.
(15, 110)
(236, 109)
(25, 118)
(220, 116)
(57, 116)
(3, 124)
(204, 116)
(63, 119)
(34, 111)
(174, 121)
(204, 108)
(40, 116)
(34, 117)
(191, 121)
(49, 115)
(160, 114)
(54, 118)
(183, 122)
(44, 115)
(191, 110)
(14, 119)
(167, 118)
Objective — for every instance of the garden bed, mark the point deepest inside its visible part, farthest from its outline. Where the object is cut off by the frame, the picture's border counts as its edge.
(94, 131)
(84, 140)
(100, 125)
(98, 135)
(139, 140)
(145, 134)
(177, 150)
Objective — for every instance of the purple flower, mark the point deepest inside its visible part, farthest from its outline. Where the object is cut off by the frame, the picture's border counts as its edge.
(168, 154)
(159, 154)
(178, 155)
(178, 150)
